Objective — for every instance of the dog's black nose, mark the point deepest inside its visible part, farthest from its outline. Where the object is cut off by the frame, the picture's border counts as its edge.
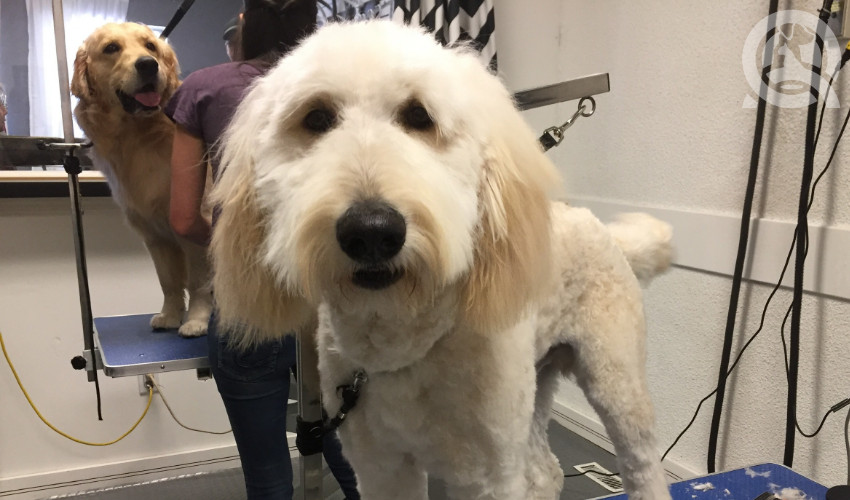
(147, 67)
(371, 232)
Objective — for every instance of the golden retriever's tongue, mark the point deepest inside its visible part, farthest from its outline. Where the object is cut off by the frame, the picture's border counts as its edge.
(149, 99)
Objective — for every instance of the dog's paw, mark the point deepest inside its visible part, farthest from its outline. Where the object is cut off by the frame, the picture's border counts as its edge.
(165, 322)
(193, 328)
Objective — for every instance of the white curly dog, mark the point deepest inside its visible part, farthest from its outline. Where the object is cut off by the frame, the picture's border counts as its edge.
(391, 183)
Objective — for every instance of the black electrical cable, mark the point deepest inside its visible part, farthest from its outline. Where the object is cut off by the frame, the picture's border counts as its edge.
(846, 57)
(785, 357)
(589, 471)
(742, 240)
(802, 229)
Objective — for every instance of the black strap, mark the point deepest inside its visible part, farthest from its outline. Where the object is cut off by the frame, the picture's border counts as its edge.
(349, 394)
(181, 11)
(743, 237)
(310, 435)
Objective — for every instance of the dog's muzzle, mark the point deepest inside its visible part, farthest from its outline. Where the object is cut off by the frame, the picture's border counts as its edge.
(145, 98)
(372, 232)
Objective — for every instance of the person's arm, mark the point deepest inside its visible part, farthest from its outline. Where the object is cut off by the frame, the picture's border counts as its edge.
(188, 180)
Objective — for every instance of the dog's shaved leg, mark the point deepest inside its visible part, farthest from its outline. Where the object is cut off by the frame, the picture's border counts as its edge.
(200, 292)
(387, 476)
(614, 381)
(170, 264)
(543, 471)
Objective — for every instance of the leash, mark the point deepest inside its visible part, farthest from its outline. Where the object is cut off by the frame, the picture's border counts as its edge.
(310, 435)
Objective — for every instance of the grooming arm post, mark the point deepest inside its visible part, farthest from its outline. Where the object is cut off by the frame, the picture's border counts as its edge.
(309, 405)
(74, 186)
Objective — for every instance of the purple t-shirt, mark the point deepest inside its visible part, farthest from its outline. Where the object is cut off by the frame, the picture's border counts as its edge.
(207, 99)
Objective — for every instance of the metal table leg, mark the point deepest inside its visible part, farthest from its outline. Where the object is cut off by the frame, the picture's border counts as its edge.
(309, 407)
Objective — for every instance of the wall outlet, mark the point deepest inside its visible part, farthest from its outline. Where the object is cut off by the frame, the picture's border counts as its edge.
(143, 388)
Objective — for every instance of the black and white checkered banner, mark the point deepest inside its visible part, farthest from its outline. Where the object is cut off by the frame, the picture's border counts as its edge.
(454, 20)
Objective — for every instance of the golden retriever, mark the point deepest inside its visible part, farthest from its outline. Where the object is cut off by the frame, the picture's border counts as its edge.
(123, 75)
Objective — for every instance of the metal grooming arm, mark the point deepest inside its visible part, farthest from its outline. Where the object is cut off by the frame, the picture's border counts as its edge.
(565, 91)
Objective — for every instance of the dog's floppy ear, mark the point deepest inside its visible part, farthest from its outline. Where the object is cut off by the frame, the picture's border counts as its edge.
(80, 79)
(172, 69)
(252, 305)
(513, 254)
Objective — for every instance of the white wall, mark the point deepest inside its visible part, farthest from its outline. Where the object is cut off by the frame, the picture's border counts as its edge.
(673, 135)
(41, 326)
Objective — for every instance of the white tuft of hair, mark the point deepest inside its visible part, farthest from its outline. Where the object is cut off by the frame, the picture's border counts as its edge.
(646, 243)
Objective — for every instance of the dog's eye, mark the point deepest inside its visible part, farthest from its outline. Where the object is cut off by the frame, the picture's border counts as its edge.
(111, 48)
(150, 46)
(319, 120)
(416, 117)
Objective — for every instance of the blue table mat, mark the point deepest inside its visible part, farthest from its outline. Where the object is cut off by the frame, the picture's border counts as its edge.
(130, 340)
(746, 484)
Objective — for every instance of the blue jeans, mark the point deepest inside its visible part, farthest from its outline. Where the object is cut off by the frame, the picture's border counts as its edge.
(254, 386)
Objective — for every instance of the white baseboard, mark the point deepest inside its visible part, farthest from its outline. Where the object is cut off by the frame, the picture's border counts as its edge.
(709, 242)
(118, 473)
(594, 432)
(68, 481)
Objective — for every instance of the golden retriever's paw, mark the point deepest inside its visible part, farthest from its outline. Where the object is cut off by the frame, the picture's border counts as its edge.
(165, 322)
(193, 328)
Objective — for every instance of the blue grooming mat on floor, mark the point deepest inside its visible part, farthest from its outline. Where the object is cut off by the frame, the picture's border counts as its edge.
(129, 346)
(746, 484)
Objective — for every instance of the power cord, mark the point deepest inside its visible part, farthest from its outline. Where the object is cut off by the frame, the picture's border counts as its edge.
(591, 471)
(26, 395)
(844, 403)
(151, 384)
(833, 409)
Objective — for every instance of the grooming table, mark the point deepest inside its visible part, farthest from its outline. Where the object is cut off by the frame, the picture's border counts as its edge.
(127, 346)
(746, 484)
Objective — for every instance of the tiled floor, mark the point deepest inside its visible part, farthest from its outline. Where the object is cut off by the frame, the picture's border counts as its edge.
(228, 484)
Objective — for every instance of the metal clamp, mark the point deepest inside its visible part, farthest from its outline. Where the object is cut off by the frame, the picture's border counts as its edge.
(553, 136)
(360, 378)
(69, 146)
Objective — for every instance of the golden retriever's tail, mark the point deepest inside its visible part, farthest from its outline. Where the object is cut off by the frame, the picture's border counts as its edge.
(646, 242)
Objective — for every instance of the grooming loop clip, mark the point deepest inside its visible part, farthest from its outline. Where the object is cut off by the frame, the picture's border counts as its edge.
(553, 136)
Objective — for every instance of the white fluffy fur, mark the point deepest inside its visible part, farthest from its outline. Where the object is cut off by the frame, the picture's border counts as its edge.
(503, 291)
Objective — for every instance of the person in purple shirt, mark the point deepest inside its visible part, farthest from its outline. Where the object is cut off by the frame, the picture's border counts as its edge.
(253, 384)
